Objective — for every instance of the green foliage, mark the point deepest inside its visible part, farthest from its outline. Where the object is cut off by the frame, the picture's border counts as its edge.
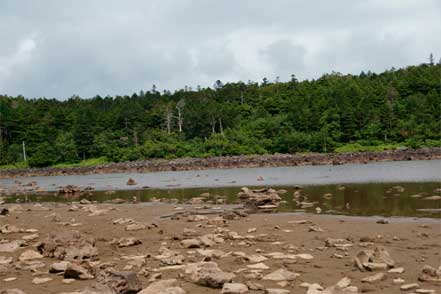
(43, 155)
(341, 113)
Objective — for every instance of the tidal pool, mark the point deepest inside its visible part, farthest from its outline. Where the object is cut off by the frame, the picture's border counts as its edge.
(362, 199)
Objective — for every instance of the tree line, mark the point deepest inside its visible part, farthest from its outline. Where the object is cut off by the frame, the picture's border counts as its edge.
(398, 107)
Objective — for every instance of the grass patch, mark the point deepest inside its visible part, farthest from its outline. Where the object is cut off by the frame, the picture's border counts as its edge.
(17, 165)
(83, 163)
(357, 147)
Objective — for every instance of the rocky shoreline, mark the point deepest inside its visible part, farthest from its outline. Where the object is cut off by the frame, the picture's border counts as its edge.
(277, 160)
(90, 248)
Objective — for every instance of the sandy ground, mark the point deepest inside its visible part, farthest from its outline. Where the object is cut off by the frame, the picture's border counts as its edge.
(412, 243)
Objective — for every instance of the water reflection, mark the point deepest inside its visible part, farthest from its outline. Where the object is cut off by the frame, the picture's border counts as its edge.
(386, 199)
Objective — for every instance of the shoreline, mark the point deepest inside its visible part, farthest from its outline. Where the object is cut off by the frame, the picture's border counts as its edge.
(229, 162)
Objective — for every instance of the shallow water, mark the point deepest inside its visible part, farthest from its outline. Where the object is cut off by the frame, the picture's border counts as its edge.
(368, 199)
(398, 171)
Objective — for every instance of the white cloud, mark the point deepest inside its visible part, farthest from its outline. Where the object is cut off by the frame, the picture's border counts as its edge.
(20, 57)
(120, 47)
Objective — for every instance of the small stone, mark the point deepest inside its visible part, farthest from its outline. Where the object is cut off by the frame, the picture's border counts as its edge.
(136, 227)
(234, 288)
(397, 270)
(39, 281)
(374, 278)
(131, 182)
(409, 286)
(258, 266)
(276, 291)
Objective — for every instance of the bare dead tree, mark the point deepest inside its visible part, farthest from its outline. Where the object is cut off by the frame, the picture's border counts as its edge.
(168, 119)
(179, 107)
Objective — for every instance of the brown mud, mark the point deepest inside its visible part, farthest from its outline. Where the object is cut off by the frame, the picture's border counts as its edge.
(411, 244)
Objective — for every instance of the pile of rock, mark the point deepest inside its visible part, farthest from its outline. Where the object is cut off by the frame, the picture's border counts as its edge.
(260, 200)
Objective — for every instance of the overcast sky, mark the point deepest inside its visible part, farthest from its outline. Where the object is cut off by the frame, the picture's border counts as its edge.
(57, 48)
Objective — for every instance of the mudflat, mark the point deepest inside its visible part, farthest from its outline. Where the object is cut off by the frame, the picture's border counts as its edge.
(159, 241)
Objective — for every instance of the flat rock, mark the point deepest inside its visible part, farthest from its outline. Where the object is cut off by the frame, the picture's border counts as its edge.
(38, 281)
(208, 274)
(29, 255)
(163, 287)
(68, 245)
(11, 246)
(276, 291)
(281, 275)
(12, 291)
(234, 288)
(374, 278)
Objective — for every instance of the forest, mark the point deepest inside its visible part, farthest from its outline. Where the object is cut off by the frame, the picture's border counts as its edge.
(397, 108)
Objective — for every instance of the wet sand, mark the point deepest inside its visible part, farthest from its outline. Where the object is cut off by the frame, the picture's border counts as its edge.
(411, 242)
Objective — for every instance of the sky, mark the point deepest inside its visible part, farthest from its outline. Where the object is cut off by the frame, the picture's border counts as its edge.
(61, 48)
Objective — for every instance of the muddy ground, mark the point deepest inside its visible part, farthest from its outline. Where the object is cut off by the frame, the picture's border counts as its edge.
(411, 243)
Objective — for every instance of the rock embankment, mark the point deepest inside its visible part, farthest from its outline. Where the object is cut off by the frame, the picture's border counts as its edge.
(276, 160)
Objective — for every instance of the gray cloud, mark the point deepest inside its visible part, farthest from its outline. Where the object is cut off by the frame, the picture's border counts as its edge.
(57, 48)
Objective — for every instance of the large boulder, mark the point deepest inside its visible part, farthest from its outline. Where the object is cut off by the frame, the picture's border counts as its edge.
(69, 245)
(208, 274)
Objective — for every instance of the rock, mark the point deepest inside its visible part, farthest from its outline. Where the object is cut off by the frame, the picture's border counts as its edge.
(95, 289)
(378, 259)
(136, 227)
(11, 246)
(375, 266)
(68, 245)
(131, 182)
(374, 278)
(260, 199)
(430, 274)
(5, 260)
(126, 242)
(12, 291)
(208, 274)
(9, 229)
(276, 291)
(382, 221)
(258, 266)
(436, 197)
(343, 283)
(234, 288)
(281, 275)
(77, 272)
(330, 242)
(39, 281)
(58, 267)
(409, 286)
(191, 243)
(120, 282)
(425, 291)
(304, 256)
(172, 260)
(163, 287)
(397, 270)
(29, 255)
